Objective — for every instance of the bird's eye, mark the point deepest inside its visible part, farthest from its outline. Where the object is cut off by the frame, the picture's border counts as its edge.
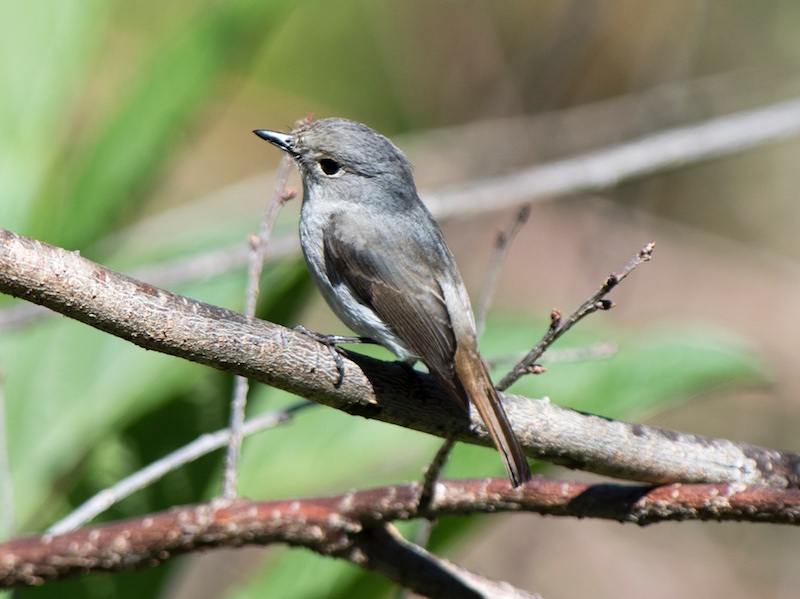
(330, 166)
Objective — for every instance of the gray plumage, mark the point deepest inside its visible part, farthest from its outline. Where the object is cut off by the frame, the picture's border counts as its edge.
(381, 263)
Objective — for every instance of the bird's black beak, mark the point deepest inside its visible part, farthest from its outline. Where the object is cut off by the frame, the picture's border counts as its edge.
(281, 140)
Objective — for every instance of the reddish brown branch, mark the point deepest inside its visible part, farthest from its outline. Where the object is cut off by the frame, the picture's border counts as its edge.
(335, 525)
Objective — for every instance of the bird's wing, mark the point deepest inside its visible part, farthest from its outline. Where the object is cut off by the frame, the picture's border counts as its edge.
(390, 270)
(412, 287)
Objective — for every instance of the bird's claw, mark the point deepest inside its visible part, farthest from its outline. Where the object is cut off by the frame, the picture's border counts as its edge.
(332, 343)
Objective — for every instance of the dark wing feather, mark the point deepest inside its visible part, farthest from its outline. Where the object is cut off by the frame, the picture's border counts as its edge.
(393, 274)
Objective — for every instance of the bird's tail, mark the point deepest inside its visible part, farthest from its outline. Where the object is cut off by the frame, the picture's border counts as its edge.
(472, 375)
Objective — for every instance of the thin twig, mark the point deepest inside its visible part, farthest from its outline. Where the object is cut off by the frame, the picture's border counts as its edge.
(190, 452)
(501, 247)
(426, 494)
(558, 326)
(432, 474)
(258, 253)
(596, 351)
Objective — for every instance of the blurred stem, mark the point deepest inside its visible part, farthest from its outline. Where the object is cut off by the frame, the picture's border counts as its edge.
(145, 477)
(257, 256)
(499, 254)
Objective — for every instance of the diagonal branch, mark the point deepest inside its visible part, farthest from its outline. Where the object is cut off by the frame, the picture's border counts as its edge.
(172, 324)
(203, 445)
(382, 549)
(612, 165)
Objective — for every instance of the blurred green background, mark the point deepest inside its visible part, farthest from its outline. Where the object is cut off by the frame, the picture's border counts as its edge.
(126, 134)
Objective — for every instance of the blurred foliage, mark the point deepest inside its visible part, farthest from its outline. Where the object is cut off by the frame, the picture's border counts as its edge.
(98, 101)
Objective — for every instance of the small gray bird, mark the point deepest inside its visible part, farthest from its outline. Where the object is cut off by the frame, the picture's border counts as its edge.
(381, 263)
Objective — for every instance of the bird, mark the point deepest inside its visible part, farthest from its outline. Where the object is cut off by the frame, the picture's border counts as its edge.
(381, 262)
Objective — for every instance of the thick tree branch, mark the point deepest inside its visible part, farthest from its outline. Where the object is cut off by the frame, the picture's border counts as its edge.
(349, 526)
(156, 319)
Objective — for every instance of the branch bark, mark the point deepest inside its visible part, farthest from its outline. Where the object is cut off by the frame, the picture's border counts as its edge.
(353, 527)
(166, 322)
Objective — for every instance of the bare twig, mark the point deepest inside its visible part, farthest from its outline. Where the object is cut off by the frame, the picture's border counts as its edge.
(596, 351)
(334, 525)
(432, 475)
(501, 247)
(162, 321)
(433, 472)
(558, 326)
(258, 253)
(201, 446)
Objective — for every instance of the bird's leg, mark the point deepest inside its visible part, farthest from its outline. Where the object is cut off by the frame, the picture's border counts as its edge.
(332, 342)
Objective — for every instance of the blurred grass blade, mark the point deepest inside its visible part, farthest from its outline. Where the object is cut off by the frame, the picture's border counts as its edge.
(44, 51)
(105, 176)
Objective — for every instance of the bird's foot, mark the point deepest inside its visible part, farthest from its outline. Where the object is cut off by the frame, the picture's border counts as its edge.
(332, 342)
